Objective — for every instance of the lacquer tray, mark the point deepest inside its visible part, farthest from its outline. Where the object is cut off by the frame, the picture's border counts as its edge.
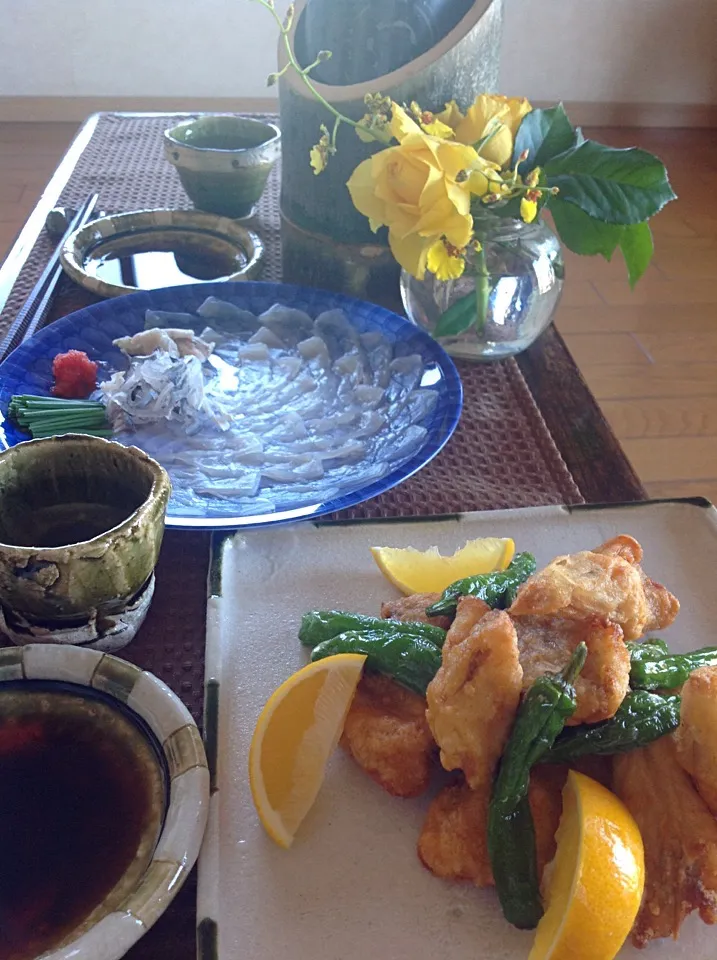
(352, 885)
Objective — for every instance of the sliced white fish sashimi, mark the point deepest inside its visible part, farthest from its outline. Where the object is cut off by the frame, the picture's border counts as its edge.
(267, 413)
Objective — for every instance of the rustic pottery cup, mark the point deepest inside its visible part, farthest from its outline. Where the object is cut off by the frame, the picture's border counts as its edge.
(81, 524)
(223, 161)
(145, 737)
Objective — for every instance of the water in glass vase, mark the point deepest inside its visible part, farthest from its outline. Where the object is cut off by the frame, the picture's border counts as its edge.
(507, 311)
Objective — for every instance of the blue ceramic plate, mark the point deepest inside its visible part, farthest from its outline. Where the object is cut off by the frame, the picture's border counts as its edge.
(28, 370)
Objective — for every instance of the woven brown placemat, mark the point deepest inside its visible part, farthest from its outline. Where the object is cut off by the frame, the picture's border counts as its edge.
(501, 455)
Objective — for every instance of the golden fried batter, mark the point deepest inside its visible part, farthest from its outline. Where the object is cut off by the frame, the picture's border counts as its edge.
(546, 645)
(546, 804)
(470, 610)
(387, 734)
(413, 607)
(696, 736)
(454, 840)
(624, 546)
(473, 698)
(663, 607)
(680, 838)
(602, 584)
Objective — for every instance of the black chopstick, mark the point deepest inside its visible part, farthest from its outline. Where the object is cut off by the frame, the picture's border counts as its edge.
(32, 313)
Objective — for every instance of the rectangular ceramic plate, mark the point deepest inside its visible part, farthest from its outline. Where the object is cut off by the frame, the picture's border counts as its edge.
(352, 886)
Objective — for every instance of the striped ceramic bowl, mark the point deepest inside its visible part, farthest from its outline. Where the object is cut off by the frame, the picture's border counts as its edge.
(162, 747)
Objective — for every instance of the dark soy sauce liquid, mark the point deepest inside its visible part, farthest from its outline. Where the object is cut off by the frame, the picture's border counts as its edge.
(74, 804)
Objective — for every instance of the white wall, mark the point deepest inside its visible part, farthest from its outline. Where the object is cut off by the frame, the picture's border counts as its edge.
(136, 48)
(619, 51)
(590, 50)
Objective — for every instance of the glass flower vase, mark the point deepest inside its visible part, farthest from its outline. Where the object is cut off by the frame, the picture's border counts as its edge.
(504, 300)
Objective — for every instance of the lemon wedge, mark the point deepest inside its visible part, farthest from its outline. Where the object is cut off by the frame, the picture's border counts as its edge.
(427, 571)
(294, 736)
(593, 887)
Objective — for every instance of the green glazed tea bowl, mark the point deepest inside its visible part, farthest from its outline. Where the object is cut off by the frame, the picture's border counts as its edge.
(81, 524)
(223, 161)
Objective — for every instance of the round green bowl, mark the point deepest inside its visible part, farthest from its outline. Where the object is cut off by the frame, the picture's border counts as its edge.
(81, 525)
(223, 161)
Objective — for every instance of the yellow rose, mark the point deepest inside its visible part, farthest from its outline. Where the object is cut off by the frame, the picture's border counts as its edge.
(489, 113)
(413, 189)
(451, 115)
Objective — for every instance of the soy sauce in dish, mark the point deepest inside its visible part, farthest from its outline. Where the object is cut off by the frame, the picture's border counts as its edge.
(82, 799)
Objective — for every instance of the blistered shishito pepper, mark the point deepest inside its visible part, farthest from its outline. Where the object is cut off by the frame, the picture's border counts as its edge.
(648, 671)
(497, 589)
(511, 835)
(408, 658)
(320, 625)
(641, 718)
(651, 649)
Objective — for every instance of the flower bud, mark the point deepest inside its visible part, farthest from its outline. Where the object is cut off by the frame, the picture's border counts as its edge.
(289, 18)
(324, 55)
(272, 79)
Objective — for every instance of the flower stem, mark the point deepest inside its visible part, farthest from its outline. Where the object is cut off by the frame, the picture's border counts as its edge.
(303, 73)
(482, 290)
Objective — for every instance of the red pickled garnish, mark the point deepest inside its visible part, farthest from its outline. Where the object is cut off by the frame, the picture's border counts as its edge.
(75, 375)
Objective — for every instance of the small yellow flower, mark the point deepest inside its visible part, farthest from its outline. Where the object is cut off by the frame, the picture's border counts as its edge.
(445, 261)
(528, 209)
(484, 178)
(402, 125)
(318, 159)
(362, 132)
(438, 129)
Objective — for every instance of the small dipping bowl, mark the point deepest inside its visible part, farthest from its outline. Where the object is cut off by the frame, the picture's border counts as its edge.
(223, 161)
(81, 524)
(104, 790)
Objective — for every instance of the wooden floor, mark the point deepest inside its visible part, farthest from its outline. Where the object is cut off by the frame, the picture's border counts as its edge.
(650, 356)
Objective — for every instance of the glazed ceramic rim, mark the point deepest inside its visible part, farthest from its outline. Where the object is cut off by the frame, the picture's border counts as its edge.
(224, 151)
(78, 244)
(160, 483)
(186, 816)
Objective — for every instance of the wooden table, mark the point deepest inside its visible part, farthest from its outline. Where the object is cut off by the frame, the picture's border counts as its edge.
(573, 417)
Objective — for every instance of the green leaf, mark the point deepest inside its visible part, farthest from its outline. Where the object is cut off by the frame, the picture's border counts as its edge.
(637, 248)
(458, 318)
(544, 134)
(580, 233)
(618, 186)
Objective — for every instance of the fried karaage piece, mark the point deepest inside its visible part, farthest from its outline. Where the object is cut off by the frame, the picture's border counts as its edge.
(454, 840)
(413, 607)
(469, 611)
(680, 838)
(546, 645)
(623, 546)
(473, 698)
(599, 584)
(696, 736)
(387, 734)
(662, 605)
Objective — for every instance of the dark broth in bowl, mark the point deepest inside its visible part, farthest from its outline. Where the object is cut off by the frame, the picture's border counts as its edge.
(82, 802)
